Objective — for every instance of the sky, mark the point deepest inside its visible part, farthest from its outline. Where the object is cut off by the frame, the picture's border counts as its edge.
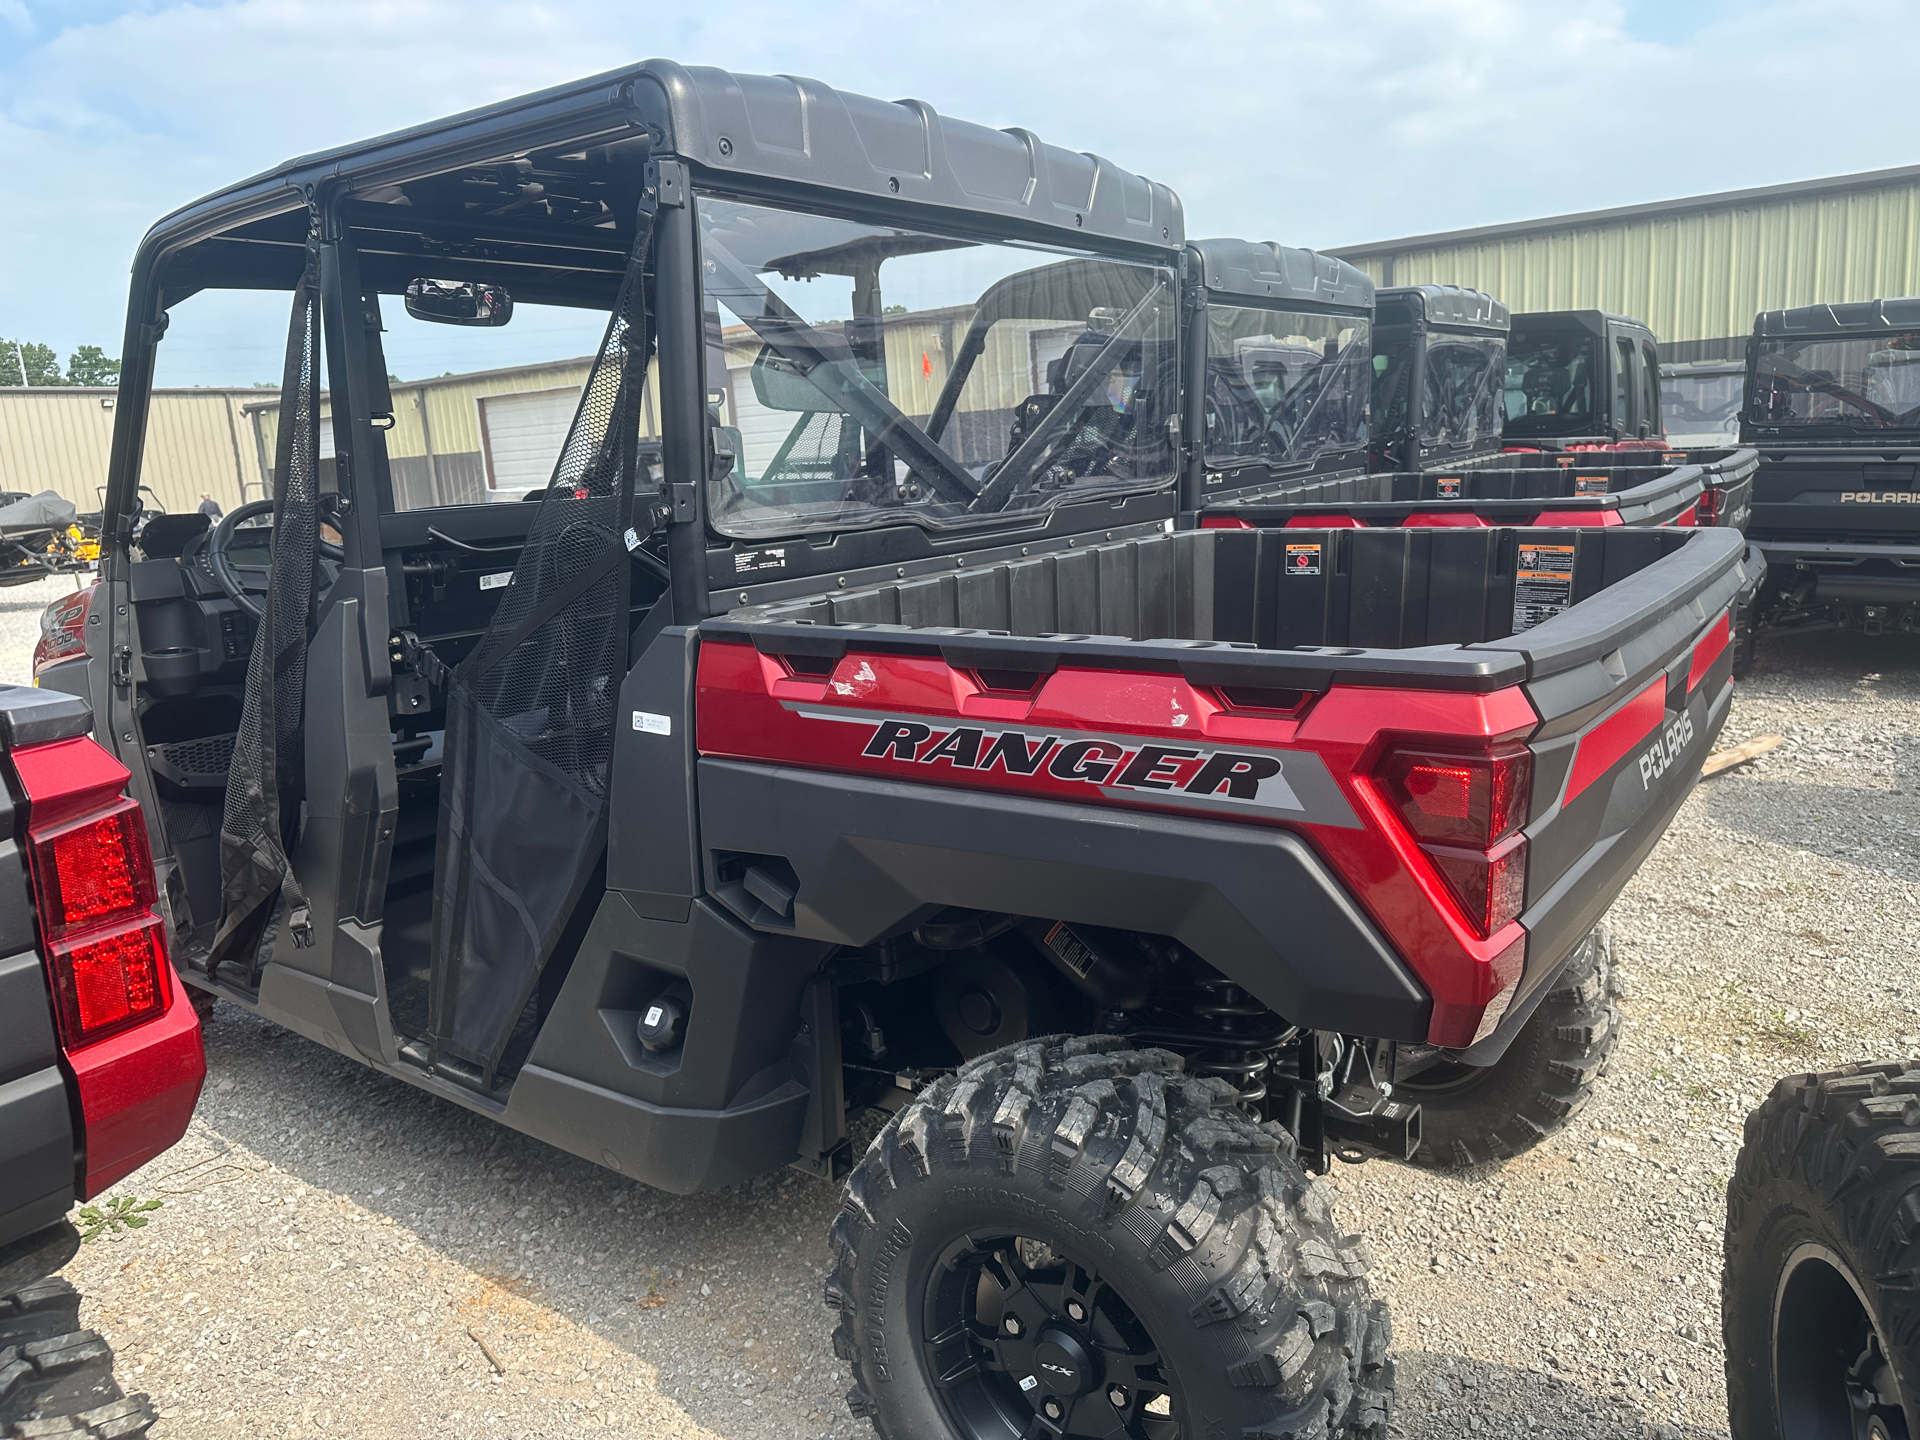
(1311, 122)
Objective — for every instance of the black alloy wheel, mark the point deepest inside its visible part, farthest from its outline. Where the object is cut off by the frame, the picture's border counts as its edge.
(1011, 1342)
(1831, 1375)
(1072, 1238)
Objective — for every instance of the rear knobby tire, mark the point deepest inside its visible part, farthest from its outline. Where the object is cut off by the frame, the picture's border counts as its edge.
(1076, 1194)
(1820, 1298)
(56, 1379)
(1471, 1116)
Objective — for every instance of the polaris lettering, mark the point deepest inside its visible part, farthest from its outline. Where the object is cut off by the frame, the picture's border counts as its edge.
(1880, 497)
(1674, 739)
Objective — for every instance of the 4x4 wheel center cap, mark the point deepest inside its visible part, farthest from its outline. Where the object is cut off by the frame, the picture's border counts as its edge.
(1062, 1364)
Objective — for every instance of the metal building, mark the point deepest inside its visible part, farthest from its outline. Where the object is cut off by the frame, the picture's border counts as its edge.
(463, 439)
(198, 443)
(1697, 270)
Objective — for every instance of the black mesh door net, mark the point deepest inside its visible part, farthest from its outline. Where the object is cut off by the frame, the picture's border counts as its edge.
(258, 891)
(530, 716)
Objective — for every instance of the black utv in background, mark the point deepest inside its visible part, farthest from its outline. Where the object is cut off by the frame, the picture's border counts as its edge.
(1581, 378)
(1833, 407)
(1439, 359)
(1284, 355)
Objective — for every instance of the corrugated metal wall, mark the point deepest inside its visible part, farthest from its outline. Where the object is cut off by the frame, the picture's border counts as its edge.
(1692, 276)
(441, 418)
(450, 406)
(198, 442)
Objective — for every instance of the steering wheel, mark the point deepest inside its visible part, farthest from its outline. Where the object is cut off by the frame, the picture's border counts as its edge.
(227, 575)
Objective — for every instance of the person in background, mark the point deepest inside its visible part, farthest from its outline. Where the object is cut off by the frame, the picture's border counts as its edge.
(210, 507)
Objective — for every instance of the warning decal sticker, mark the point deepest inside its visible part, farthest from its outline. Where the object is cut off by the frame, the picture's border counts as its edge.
(1303, 559)
(1589, 484)
(1447, 487)
(1542, 584)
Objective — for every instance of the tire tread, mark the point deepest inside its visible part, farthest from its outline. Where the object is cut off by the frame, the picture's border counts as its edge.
(1177, 1182)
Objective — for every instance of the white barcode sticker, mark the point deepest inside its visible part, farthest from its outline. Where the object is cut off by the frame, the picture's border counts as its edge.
(496, 580)
(651, 724)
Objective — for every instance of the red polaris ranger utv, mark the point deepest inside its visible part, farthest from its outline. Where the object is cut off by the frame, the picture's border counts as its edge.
(100, 1058)
(874, 740)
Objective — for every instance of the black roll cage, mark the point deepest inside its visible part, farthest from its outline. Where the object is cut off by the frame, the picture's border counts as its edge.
(200, 245)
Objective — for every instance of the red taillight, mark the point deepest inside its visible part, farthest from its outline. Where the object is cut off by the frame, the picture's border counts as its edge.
(1466, 810)
(1459, 799)
(93, 890)
(63, 630)
(108, 979)
(92, 870)
(1707, 512)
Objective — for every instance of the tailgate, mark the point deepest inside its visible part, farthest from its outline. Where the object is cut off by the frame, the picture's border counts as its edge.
(1837, 496)
(1729, 475)
(1632, 687)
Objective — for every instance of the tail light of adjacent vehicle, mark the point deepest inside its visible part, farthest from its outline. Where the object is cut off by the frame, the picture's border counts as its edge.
(1465, 810)
(130, 1043)
(1707, 512)
(63, 630)
(93, 891)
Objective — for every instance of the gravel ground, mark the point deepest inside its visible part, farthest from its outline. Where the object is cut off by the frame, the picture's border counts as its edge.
(340, 1255)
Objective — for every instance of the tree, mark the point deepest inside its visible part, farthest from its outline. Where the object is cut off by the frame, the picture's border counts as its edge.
(41, 364)
(89, 365)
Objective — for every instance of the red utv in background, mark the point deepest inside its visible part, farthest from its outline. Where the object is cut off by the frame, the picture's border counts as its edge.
(100, 1055)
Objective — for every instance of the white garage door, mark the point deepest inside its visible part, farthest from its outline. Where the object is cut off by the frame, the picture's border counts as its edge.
(521, 436)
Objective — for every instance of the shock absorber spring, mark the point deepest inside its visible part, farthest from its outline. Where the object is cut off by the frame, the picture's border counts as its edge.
(1233, 1017)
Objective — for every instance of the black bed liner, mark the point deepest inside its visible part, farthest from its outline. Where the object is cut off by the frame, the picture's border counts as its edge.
(1428, 607)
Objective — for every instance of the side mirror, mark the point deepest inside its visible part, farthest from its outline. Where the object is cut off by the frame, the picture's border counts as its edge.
(458, 302)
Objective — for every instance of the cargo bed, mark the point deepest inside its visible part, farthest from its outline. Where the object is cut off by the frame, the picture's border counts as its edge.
(1314, 645)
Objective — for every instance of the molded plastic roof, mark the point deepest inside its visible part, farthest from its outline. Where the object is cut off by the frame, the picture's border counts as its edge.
(1262, 270)
(1450, 305)
(1866, 315)
(775, 127)
(1593, 320)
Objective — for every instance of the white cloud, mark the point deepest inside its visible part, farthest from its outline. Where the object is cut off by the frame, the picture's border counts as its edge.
(1309, 121)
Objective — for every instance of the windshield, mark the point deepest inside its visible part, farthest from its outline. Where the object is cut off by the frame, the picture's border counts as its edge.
(1851, 383)
(1460, 401)
(1284, 387)
(870, 375)
(1701, 404)
(1550, 383)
